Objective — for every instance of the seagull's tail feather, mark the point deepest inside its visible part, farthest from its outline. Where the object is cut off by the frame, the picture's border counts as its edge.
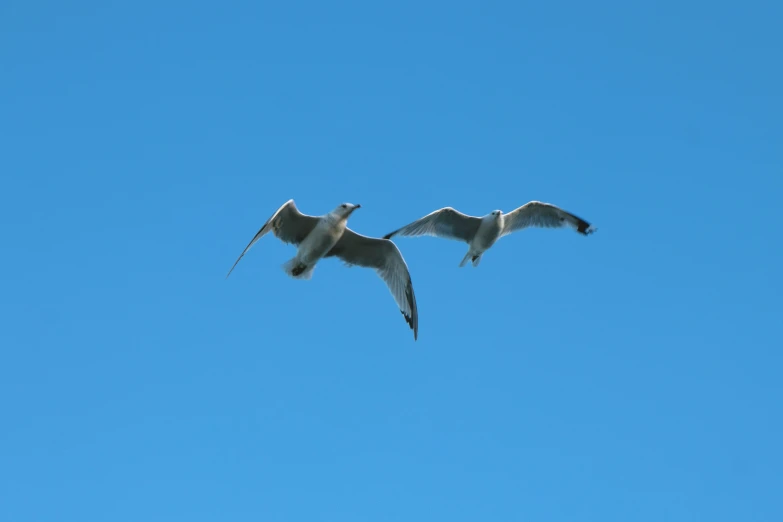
(476, 259)
(298, 270)
(466, 259)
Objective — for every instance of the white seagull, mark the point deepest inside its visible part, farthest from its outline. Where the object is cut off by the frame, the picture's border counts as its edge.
(480, 233)
(327, 236)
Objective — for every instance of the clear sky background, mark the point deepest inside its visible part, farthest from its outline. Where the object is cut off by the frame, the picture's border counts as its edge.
(630, 375)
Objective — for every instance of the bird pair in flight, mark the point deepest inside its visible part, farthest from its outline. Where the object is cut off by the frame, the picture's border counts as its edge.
(324, 236)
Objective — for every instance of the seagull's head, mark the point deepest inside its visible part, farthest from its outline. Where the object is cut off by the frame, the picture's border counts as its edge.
(496, 214)
(345, 210)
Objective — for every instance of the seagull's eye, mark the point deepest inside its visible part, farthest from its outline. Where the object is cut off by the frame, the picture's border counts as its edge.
(342, 206)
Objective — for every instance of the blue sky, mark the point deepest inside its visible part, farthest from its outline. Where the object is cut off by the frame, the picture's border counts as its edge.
(630, 375)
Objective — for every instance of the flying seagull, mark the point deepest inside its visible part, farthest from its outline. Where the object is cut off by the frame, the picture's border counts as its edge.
(480, 233)
(328, 235)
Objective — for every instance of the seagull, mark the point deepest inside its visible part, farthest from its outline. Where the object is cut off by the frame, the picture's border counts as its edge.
(325, 236)
(480, 233)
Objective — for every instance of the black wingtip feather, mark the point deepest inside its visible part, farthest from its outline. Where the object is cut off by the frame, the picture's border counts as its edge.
(414, 325)
(583, 227)
(409, 320)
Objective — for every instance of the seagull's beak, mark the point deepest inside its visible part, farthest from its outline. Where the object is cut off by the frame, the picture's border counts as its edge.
(356, 206)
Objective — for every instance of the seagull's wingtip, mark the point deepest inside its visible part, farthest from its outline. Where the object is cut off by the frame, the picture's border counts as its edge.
(585, 228)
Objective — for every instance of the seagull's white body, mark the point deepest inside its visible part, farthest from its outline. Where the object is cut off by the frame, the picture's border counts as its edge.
(480, 233)
(324, 236)
(489, 231)
(318, 237)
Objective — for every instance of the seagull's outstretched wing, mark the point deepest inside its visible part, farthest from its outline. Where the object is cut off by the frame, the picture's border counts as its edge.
(446, 222)
(287, 224)
(385, 258)
(544, 215)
